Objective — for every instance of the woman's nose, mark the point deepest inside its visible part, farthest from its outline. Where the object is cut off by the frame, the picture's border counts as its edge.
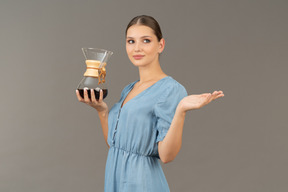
(137, 47)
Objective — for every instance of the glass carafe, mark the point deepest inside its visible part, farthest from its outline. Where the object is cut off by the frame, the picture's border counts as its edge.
(94, 77)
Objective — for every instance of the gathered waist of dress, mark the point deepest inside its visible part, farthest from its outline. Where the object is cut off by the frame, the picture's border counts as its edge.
(133, 152)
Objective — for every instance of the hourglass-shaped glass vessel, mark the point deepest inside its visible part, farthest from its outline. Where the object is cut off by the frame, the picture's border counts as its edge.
(94, 77)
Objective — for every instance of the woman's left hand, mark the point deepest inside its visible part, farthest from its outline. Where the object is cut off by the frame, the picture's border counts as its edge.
(197, 101)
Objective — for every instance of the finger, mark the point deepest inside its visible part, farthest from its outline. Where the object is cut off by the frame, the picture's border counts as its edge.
(221, 95)
(211, 97)
(216, 93)
(101, 95)
(207, 98)
(79, 96)
(86, 98)
(93, 99)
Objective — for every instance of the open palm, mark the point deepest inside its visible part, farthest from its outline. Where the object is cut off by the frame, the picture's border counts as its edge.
(197, 101)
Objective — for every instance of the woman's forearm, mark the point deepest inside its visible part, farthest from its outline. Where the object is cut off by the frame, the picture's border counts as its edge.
(103, 116)
(171, 144)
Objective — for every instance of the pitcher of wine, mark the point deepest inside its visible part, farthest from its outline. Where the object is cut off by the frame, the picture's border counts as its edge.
(94, 77)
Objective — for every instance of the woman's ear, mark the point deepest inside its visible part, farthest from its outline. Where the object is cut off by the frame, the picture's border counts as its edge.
(161, 45)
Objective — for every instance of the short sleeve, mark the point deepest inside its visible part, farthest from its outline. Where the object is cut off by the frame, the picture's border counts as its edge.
(165, 108)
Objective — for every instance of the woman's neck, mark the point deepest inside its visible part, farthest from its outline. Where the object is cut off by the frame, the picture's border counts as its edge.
(150, 73)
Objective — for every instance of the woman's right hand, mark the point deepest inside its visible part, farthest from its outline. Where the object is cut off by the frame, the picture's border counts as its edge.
(99, 105)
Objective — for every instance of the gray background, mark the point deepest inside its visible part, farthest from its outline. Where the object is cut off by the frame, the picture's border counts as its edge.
(51, 142)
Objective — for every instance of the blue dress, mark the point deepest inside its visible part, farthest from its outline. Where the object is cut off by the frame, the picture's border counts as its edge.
(133, 162)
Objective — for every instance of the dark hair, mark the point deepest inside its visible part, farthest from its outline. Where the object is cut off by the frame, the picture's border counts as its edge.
(146, 21)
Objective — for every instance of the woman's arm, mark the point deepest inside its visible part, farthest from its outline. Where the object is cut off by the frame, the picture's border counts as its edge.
(103, 116)
(100, 106)
(169, 147)
(171, 144)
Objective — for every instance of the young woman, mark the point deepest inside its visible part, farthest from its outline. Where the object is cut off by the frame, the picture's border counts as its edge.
(147, 123)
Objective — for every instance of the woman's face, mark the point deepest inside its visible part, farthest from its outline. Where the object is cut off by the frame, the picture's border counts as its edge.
(142, 45)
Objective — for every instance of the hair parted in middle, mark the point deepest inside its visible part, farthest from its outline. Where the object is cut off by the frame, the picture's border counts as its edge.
(146, 21)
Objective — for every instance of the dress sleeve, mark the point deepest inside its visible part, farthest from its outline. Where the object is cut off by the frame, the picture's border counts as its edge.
(165, 108)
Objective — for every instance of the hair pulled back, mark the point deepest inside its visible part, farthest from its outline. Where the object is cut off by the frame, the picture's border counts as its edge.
(146, 21)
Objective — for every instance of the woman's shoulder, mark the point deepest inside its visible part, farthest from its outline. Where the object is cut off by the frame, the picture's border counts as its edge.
(171, 83)
(171, 88)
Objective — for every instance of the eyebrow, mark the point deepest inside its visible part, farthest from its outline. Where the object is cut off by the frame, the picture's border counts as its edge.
(140, 37)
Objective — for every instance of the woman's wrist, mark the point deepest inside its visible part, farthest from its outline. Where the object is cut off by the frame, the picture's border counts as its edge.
(180, 110)
(103, 113)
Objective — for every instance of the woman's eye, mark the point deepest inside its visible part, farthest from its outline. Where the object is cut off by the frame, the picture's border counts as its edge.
(147, 41)
(130, 41)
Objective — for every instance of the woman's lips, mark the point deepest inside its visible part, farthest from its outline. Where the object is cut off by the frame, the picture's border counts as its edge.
(137, 57)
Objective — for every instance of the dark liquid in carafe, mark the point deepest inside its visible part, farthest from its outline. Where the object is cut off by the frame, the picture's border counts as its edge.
(96, 93)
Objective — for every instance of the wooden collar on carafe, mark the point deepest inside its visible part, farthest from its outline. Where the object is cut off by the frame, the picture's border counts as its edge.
(92, 70)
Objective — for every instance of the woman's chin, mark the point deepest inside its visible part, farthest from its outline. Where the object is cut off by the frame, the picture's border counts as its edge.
(138, 63)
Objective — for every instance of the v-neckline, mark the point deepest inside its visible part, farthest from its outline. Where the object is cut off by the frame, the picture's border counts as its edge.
(121, 106)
